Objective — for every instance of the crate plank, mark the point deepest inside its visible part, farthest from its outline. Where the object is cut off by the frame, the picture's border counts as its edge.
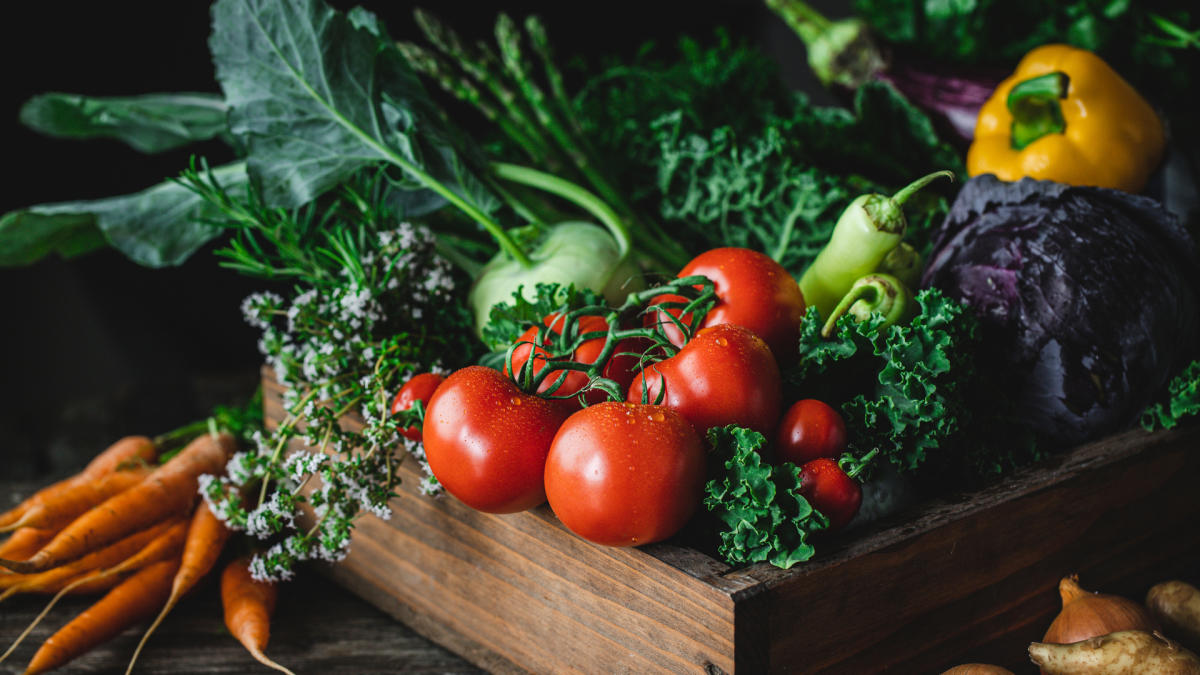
(966, 575)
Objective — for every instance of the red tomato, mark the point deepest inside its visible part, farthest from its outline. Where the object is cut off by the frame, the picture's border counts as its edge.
(625, 474)
(486, 441)
(830, 490)
(725, 375)
(753, 291)
(419, 387)
(810, 429)
(620, 368)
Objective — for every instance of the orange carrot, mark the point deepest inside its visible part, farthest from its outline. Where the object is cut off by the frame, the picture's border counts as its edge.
(25, 542)
(248, 607)
(128, 449)
(166, 546)
(205, 538)
(58, 509)
(54, 579)
(169, 490)
(131, 601)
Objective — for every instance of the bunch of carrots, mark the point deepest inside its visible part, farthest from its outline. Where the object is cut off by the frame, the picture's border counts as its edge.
(135, 528)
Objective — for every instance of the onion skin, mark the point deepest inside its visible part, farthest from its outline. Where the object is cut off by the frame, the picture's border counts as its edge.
(1177, 605)
(1120, 653)
(978, 669)
(1087, 615)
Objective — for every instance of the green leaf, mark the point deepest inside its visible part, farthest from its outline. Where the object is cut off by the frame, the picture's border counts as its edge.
(157, 227)
(765, 516)
(317, 96)
(1182, 401)
(508, 320)
(150, 123)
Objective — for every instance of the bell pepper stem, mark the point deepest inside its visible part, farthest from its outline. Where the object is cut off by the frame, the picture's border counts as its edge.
(1036, 109)
(524, 175)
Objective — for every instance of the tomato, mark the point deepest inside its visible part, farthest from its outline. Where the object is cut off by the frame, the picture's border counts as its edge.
(625, 474)
(621, 366)
(753, 291)
(830, 490)
(419, 387)
(486, 441)
(810, 429)
(725, 375)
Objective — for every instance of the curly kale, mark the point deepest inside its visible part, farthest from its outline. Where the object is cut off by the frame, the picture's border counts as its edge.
(901, 388)
(766, 517)
(508, 320)
(1183, 401)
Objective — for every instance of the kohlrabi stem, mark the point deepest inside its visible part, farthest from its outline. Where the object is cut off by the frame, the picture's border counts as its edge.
(571, 192)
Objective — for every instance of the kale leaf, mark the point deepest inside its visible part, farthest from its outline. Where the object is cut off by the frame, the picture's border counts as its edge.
(901, 388)
(780, 189)
(508, 320)
(1183, 401)
(766, 517)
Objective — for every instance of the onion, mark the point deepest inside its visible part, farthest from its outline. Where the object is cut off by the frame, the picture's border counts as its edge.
(1087, 615)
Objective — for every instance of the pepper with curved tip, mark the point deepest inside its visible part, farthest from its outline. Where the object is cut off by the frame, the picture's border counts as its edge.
(1065, 115)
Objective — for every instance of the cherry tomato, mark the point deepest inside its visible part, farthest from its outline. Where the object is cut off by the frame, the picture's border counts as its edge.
(830, 490)
(486, 441)
(754, 292)
(625, 474)
(810, 429)
(419, 387)
(621, 366)
(725, 375)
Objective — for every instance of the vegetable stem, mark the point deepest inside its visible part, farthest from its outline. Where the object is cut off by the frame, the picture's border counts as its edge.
(571, 192)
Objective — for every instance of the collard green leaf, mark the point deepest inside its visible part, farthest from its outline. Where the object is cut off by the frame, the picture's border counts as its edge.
(318, 95)
(765, 516)
(150, 123)
(157, 227)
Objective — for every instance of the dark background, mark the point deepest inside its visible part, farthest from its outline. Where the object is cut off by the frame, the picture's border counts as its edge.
(98, 347)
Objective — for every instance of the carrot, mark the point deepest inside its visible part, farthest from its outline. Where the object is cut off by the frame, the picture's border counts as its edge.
(166, 546)
(205, 538)
(25, 542)
(131, 601)
(60, 508)
(128, 449)
(52, 580)
(169, 490)
(248, 607)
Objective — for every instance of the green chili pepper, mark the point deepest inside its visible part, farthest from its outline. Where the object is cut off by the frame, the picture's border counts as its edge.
(904, 263)
(873, 294)
(870, 227)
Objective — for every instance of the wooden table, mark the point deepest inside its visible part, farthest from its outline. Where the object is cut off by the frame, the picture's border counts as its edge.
(318, 628)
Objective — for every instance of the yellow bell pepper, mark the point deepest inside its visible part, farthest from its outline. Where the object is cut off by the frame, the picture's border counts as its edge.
(1065, 115)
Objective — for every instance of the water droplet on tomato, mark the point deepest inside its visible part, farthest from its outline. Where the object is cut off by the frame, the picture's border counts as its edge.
(657, 416)
(722, 342)
(516, 400)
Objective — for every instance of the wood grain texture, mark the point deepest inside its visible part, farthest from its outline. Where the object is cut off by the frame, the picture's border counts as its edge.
(947, 582)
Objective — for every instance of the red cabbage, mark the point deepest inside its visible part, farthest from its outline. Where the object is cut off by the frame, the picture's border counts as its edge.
(1086, 298)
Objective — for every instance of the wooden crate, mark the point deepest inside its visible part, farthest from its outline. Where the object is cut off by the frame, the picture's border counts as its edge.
(968, 577)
